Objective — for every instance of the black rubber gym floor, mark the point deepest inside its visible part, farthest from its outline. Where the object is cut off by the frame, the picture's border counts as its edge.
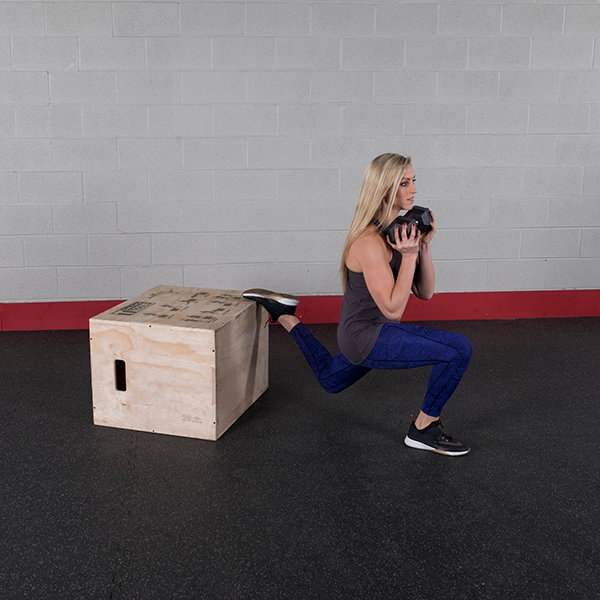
(308, 495)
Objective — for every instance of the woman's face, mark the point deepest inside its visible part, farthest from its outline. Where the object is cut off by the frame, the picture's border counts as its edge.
(405, 197)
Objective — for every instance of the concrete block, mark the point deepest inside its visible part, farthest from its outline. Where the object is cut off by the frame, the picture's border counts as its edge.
(25, 219)
(470, 244)
(345, 20)
(308, 120)
(17, 88)
(179, 121)
(26, 285)
(149, 218)
(279, 20)
(590, 243)
(100, 217)
(55, 250)
(50, 187)
(423, 149)
(23, 154)
(305, 184)
(59, 120)
(493, 181)
(11, 252)
(463, 213)
(219, 217)
(114, 121)
(580, 274)
(159, 153)
(115, 186)
(22, 18)
(279, 216)
(323, 278)
(278, 153)
(180, 186)
(278, 86)
(150, 87)
(511, 275)
(342, 152)
(89, 283)
(82, 88)
(562, 53)
(437, 53)
(436, 118)
(311, 53)
(576, 150)
(79, 19)
(135, 280)
(459, 275)
(342, 86)
(594, 118)
(580, 86)
(574, 212)
(400, 19)
(5, 57)
(550, 243)
(213, 87)
(499, 53)
(439, 183)
(523, 150)
(44, 54)
(258, 247)
(591, 181)
(582, 20)
(467, 86)
(373, 119)
(214, 153)
(405, 86)
(470, 20)
(553, 182)
(112, 54)
(374, 54)
(84, 155)
(559, 118)
(184, 53)
(533, 19)
(245, 185)
(243, 54)
(309, 246)
(210, 19)
(244, 119)
(289, 277)
(9, 190)
(117, 250)
(350, 179)
(500, 118)
(529, 86)
(183, 249)
(146, 18)
(510, 213)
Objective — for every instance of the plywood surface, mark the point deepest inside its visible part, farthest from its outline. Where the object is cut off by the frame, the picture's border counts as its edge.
(194, 308)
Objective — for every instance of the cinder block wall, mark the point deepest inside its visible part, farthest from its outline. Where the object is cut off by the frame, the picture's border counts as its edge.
(222, 144)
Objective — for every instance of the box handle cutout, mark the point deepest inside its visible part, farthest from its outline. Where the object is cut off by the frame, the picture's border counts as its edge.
(120, 375)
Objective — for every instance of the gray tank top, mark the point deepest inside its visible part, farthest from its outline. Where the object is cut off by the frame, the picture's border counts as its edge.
(360, 318)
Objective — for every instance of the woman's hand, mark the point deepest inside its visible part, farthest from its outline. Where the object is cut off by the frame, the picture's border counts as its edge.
(409, 244)
(426, 239)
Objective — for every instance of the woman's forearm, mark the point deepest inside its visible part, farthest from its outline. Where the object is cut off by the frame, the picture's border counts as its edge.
(424, 279)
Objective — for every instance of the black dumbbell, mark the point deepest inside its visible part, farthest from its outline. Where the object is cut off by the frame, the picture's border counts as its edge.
(417, 215)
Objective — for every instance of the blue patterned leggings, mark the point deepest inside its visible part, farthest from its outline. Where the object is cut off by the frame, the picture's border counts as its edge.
(398, 346)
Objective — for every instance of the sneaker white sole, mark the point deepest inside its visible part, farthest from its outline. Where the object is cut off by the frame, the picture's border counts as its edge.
(420, 446)
(286, 299)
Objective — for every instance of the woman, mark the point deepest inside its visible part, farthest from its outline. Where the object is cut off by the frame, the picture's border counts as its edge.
(378, 277)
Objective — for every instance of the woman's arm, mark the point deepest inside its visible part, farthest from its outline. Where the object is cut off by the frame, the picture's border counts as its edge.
(370, 254)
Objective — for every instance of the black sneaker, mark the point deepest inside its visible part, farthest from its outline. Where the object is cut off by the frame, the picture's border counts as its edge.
(276, 304)
(433, 438)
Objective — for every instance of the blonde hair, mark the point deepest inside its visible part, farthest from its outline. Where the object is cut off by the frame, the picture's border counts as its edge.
(380, 183)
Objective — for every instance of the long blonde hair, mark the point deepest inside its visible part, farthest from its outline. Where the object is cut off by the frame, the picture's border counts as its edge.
(380, 184)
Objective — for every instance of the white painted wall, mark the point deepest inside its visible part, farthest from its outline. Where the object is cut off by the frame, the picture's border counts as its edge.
(222, 144)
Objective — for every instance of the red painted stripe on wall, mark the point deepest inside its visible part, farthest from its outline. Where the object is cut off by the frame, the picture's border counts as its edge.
(326, 309)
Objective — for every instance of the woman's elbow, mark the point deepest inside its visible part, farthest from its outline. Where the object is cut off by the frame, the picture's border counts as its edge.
(423, 295)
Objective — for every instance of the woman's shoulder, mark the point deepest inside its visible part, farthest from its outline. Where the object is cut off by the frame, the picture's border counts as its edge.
(369, 244)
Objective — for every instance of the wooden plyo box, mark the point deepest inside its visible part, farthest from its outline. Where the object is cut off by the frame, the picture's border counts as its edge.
(178, 360)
